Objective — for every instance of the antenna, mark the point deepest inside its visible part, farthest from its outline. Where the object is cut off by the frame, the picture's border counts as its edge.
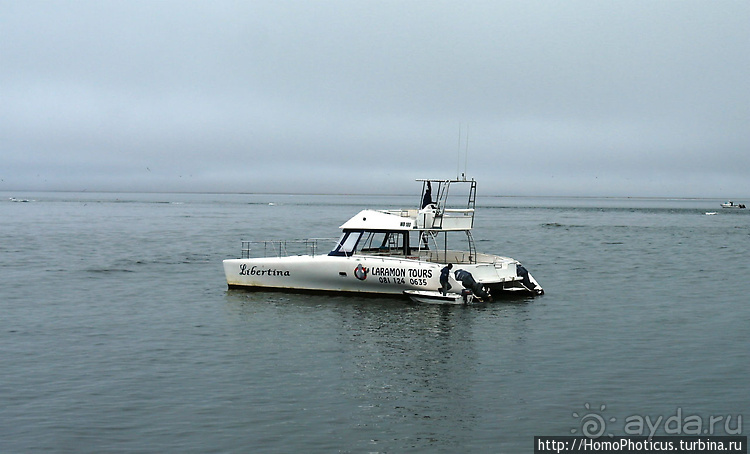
(458, 155)
(466, 153)
(459, 174)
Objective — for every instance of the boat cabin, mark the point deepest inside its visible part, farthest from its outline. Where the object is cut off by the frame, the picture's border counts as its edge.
(429, 233)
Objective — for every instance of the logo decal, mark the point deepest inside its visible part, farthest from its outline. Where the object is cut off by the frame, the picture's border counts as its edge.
(360, 272)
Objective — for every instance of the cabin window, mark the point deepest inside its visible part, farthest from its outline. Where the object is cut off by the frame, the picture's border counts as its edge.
(370, 242)
(382, 243)
(347, 243)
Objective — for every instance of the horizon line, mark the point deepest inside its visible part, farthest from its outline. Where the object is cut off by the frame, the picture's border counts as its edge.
(81, 191)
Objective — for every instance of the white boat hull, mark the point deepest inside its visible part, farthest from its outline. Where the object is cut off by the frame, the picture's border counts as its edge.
(362, 274)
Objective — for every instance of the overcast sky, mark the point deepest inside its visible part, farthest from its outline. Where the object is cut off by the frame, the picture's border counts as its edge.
(573, 97)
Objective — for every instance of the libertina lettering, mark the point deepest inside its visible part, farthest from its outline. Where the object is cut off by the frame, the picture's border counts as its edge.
(254, 271)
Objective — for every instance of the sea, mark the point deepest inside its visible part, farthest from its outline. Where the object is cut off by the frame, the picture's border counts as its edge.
(119, 334)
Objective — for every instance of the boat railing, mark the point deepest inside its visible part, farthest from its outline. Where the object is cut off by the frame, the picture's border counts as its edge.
(461, 212)
(443, 256)
(285, 248)
(457, 219)
(447, 219)
(401, 212)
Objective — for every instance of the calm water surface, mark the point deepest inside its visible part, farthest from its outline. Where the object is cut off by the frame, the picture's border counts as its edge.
(119, 334)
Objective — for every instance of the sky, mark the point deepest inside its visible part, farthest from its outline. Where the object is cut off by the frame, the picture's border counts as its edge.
(621, 98)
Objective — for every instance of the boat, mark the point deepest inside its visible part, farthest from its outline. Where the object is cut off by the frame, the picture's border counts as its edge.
(731, 204)
(388, 252)
(435, 297)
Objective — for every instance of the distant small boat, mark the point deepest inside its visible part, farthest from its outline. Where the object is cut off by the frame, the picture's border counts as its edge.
(731, 204)
(710, 213)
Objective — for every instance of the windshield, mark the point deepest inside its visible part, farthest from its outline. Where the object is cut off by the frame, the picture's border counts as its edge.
(346, 244)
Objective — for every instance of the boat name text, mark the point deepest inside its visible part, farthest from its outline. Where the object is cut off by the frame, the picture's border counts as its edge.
(254, 271)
